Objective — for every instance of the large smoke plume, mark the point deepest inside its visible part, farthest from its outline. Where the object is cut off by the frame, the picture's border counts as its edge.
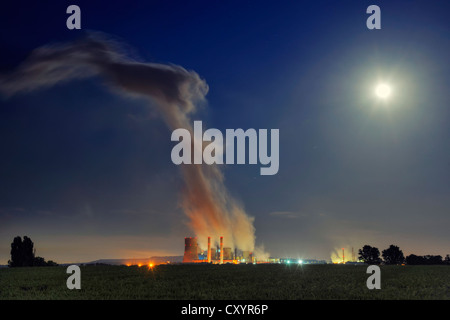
(174, 91)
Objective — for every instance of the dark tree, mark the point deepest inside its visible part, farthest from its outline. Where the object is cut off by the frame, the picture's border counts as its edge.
(447, 259)
(412, 259)
(22, 252)
(393, 255)
(28, 251)
(16, 253)
(51, 263)
(430, 259)
(39, 262)
(370, 255)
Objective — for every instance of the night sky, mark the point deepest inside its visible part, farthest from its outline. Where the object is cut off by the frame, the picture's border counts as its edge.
(87, 174)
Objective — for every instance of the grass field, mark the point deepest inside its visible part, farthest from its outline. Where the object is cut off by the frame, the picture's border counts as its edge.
(224, 282)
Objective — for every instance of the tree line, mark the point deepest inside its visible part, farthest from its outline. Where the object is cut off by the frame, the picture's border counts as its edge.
(393, 255)
(23, 254)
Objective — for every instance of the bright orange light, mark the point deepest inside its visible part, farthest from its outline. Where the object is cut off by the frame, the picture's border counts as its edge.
(128, 264)
(150, 265)
(139, 265)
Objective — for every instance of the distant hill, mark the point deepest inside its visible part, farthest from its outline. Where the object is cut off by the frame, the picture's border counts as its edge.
(132, 261)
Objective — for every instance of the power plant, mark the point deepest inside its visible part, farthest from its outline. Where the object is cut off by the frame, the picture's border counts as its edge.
(219, 255)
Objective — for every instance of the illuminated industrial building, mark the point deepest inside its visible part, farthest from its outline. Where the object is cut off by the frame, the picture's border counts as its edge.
(220, 255)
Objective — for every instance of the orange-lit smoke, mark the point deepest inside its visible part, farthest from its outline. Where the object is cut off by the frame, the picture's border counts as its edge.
(205, 199)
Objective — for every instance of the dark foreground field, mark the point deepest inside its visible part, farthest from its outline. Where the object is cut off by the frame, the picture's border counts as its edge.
(242, 282)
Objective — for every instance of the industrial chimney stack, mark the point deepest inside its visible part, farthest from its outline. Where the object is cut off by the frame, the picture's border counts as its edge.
(209, 250)
(221, 250)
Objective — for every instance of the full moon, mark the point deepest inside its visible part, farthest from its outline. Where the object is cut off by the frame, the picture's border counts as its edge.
(383, 91)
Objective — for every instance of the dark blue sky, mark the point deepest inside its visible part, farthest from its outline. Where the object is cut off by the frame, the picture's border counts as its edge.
(80, 165)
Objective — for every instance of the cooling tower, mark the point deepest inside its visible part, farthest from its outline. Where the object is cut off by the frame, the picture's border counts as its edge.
(190, 249)
(208, 256)
(221, 250)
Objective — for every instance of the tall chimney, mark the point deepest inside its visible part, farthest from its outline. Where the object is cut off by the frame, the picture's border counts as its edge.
(209, 250)
(221, 250)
